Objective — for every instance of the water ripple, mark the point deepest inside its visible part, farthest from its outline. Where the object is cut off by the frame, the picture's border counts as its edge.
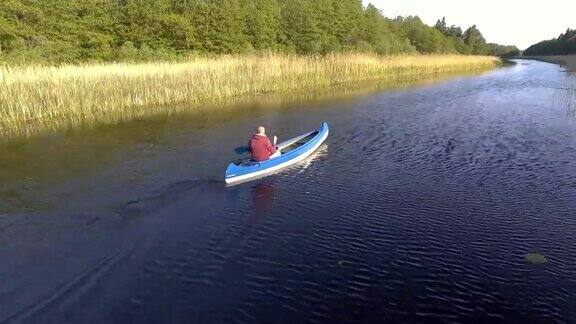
(421, 209)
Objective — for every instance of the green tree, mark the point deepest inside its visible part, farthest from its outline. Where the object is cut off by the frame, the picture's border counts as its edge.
(325, 20)
(379, 36)
(263, 24)
(348, 22)
(454, 31)
(220, 26)
(426, 39)
(563, 45)
(474, 39)
(501, 50)
(103, 30)
(441, 26)
(299, 32)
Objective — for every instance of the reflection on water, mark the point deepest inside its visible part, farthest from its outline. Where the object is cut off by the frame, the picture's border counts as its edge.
(571, 96)
(566, 96)
(264, 194)
(264, 191)
(452, 202)
(210, 113)
(57, 171)
(565, 93)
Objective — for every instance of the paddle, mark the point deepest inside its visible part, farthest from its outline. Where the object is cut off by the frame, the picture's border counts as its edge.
(241, 149)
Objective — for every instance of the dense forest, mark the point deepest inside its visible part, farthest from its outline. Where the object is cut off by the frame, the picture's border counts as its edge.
(105, 30)
(563, 45)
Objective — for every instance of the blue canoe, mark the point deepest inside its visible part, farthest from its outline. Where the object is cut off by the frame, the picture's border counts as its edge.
(291, 151)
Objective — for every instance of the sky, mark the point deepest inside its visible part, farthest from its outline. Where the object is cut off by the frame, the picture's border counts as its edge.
(507, 22)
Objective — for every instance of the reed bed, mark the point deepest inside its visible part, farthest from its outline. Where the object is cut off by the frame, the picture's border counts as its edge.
(39, 98)
(568, 61)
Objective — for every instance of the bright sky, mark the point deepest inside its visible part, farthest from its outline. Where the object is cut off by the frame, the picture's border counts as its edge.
(507, 22)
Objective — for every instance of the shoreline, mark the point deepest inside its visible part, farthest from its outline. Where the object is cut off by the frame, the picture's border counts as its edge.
(568, 61)
(39, 99)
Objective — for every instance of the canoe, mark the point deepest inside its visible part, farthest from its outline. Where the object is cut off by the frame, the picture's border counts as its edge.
(291, 151)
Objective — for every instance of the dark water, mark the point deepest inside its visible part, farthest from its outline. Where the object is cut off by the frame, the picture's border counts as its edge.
(420, 208)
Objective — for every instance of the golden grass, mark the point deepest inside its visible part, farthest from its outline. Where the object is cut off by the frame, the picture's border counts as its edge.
(37, 98)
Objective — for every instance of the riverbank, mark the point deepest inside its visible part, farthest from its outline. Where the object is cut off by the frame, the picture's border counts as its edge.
(569, 61)
(138, 225)
(35, 99)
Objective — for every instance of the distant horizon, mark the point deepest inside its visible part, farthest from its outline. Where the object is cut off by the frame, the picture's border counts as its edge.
(513, 23)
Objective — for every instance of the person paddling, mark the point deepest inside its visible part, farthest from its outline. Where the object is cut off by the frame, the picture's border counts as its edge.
(261, 149)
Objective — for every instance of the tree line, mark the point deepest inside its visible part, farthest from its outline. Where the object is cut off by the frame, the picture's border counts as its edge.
(563, 45)
(471, 41)
(107, 30)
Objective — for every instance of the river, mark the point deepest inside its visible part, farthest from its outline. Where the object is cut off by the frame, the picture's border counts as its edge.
(421, 206)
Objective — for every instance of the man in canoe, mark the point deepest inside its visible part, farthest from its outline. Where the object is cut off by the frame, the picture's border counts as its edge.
(261, 149)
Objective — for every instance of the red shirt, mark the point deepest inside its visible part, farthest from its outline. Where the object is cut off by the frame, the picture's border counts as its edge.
(261, 148)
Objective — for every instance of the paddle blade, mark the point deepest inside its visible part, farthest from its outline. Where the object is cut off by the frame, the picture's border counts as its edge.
(241, 149)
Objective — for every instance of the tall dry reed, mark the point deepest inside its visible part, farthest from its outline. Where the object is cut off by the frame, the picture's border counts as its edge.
(37, 98)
